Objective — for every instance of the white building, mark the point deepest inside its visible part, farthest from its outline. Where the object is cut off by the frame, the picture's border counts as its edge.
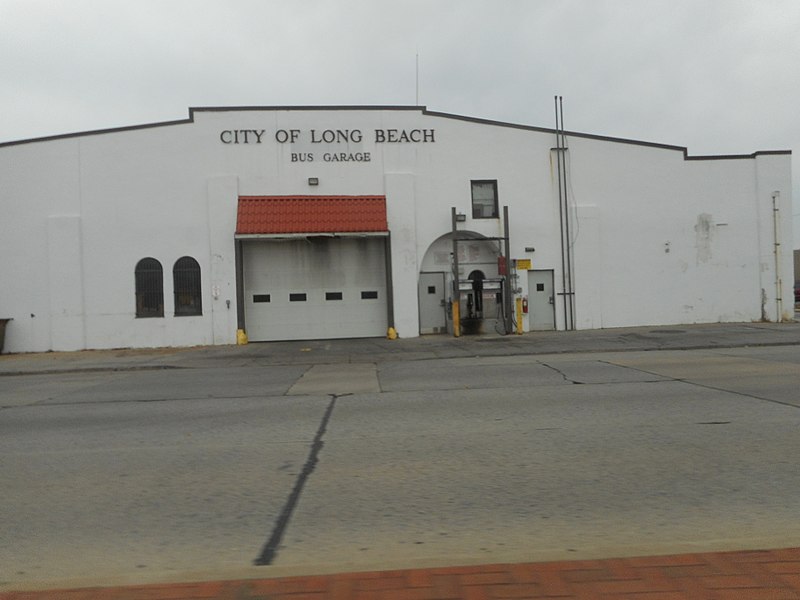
(298, 223)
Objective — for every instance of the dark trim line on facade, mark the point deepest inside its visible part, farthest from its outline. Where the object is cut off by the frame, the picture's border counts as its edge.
(342, 107)
(387, 257)
(730, 156)
(421, 109)
(603, 138)
(305, 236)
(239, 260)
(64, 136)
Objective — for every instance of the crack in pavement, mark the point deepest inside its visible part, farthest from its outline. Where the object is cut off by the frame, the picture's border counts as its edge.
(48, 403)
(130, 369)
(270, 549)
(560, 372)
(706, 386)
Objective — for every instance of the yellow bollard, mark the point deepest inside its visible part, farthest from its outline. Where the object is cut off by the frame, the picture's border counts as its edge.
(241, 337)
(391, 334)
(456, 319)
(519, 315)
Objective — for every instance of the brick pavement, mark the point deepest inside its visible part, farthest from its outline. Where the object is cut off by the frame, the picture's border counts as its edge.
(745, 575)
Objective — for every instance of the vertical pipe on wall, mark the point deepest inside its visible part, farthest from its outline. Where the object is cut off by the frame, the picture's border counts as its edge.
(568, 237)
(561, 218)
(776, 224)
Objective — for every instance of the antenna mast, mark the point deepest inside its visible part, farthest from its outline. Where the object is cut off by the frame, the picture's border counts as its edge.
(417, 80)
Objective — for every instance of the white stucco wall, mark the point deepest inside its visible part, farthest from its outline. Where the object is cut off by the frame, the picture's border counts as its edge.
(675, 241)
(656, 238)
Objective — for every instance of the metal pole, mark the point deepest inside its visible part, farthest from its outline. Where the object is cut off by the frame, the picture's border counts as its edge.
(417, 80)
(507, 281)
(456, 301)
(561, 218)
(570, 286)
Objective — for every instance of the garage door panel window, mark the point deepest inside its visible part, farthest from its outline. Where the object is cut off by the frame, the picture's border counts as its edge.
(187, 288)
(149, 288)
(369, 295)
(297, 297)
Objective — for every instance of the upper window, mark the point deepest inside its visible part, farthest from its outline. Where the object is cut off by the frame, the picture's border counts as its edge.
(149, 288)
(186, 284)
(484, 199)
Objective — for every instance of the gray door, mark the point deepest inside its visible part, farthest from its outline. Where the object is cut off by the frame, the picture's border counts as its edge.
(431, 303)
(541, 301)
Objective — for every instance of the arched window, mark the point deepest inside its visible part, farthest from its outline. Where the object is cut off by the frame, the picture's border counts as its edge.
(149, 288)
(186, 284)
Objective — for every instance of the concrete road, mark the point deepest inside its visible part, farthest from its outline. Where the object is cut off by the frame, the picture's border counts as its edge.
(176, 474)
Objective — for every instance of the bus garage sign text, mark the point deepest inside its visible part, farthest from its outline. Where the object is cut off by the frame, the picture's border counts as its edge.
(329, 136)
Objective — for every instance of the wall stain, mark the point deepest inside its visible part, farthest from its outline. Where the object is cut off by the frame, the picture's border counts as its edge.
(703, 237)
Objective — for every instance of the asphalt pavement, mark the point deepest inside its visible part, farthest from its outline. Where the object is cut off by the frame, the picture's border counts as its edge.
(767, 573)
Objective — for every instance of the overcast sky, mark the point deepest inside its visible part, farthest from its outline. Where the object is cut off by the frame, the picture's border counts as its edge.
(717, 76)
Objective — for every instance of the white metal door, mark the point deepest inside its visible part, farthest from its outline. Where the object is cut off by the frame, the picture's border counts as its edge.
(541, 301)
(432, 316)
(315, 288)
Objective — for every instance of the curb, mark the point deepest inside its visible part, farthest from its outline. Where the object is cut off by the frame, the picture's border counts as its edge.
(745, 575)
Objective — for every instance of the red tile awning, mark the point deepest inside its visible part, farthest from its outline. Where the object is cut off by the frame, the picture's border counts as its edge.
(309, 215)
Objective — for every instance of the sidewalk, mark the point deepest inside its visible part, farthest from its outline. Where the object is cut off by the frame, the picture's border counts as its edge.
(750, 575)
(377, 350)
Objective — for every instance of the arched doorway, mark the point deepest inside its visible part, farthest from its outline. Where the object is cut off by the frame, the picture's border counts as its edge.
(479, 276)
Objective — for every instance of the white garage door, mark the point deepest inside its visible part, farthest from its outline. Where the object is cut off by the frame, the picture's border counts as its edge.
(315, 288)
